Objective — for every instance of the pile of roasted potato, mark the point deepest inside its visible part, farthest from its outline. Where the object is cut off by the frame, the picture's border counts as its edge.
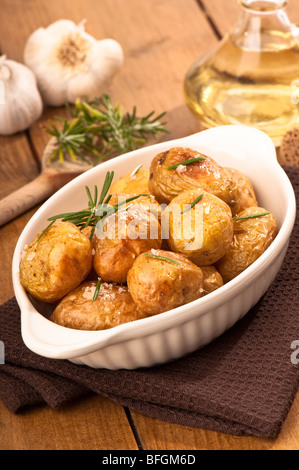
(195, 227)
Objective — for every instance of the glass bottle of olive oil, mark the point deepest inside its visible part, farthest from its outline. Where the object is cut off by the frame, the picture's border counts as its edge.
(252, 76)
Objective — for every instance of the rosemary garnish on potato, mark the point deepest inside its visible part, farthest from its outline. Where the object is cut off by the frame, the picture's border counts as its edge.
(98, 209)
(253, 216)
(102, 130)
(136, 171)
(190, 206)
(163, 258)
(186, 162)
(98, 286)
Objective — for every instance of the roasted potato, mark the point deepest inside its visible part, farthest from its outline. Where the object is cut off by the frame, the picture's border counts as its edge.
(244, 193)
(125, 235)
(212, 279)
(158, 285)
(112, 307)
(166, 184)
(251, 239)
(128, 184)
(192, 227)
(144, 202)
(56, 264)
(203, 233)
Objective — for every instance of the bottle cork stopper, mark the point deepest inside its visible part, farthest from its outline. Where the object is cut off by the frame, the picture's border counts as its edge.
(289, 148)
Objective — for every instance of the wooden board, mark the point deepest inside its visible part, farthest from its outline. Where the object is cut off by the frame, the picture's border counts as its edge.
(93, 423)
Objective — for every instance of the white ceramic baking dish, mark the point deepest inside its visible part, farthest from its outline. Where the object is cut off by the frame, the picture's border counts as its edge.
(170, 335)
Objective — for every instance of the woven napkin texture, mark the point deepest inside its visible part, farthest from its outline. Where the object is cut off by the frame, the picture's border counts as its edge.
(243, 383)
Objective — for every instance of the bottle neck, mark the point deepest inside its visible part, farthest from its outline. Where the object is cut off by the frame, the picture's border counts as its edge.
(264, 6)
(264, 25)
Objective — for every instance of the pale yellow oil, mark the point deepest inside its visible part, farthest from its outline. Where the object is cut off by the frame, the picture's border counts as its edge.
(255, 88)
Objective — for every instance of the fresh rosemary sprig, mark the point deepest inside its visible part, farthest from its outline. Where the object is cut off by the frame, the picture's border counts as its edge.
(163, 258)
(101, 130)
(98, 287)
(186, 162)
(190, 206)
(98, 209)
(44, 231)
(253, 216)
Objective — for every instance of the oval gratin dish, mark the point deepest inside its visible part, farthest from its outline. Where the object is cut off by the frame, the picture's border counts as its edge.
(173, 334)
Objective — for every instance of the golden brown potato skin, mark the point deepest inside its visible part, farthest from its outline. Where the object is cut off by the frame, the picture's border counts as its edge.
(212, 279)
(251, 239)
(127, 184)
(57, 264)
(113, 306)
(144, 202)
(214, 229)
(157, 286)
(116, 251)
(244, 192)
(166, 184)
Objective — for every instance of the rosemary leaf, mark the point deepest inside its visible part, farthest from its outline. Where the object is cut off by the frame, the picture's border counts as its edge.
(44, 231)
(253, 216)
(132, 198)
(190, 206)
(136, 171)
(68, 215)
(96, 293)
(90, 203)
(92, 233)
(102, 129)
(163, 258)
(106, 186)
(186, 162)
(95, 195)
(107, 200)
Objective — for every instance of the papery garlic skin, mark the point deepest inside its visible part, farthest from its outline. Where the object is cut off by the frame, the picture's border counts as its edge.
(69, 63)
(22, 101)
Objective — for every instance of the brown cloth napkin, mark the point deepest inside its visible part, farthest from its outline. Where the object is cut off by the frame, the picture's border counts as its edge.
(243, 383)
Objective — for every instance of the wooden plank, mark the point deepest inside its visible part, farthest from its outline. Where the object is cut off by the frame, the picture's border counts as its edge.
(92, 423)
(223, 14)
(157, 435)
(17, 165)
(9, 235)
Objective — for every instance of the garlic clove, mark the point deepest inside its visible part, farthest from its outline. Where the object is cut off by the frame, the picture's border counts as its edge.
(69, 63)
(82, 86)
(106, 58)
(22, 101)
(52, 79)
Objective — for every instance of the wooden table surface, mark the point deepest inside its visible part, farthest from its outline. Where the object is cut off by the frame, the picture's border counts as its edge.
(161, 39)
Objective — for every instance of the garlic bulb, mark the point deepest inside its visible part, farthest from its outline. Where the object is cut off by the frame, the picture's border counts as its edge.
(69, 63)
(20, 101)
